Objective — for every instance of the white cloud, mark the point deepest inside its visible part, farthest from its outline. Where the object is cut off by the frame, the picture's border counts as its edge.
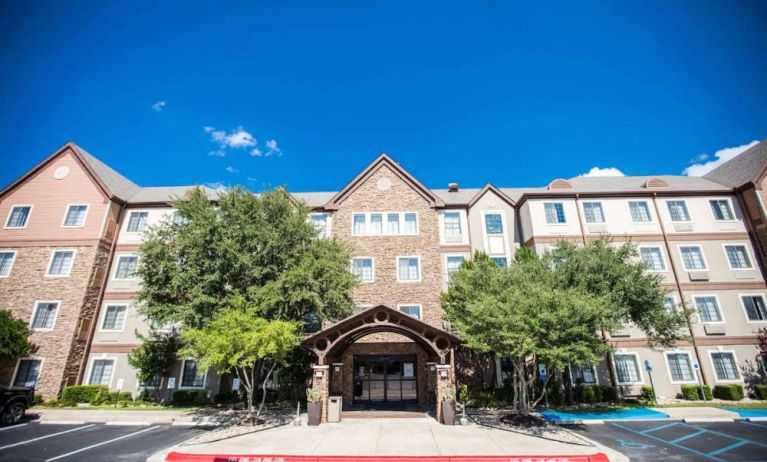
(609, 171)
(721, 156)
(237, 138)
(158, 106)
(273, 150)
(231, 169)
(217, 153)
(255, 152)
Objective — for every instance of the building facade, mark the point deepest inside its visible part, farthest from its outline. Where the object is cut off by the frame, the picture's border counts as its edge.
(68, 249)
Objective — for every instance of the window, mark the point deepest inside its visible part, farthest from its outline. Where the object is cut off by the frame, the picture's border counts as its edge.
(722, 210)
(755, 308)
(191, 376)
(61, 263)
(453, 263)
(18, 216)
(493, 224)
(725, 366)
(500, 261)
(126, 267)
(392, 223)
(652, 258)
(680, 368)
(411, 223)
(155, 381)
(27, 373)
(75, 216)
(408, 269)
(179, 219)
(363, 268)
(627, 369)
(101, 372)
(452, 224)
(376, 224)
(593, 212)
(583, 374)
(737, 256)
(670, 304)
(137, 221)
(555, 212)
(411, 310)
(45, 315)
(320, 223)
(640, 211)
(678, 211)
(372, 224)
(6, 262)
(114, 317)
(692, 258)
(708, 309)
(358, 228)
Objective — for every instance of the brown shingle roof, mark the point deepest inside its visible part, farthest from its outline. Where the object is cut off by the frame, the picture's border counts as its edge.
(741, 169)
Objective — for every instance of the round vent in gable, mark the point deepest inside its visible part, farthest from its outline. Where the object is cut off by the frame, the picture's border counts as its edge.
(61, 172)
(384, 184)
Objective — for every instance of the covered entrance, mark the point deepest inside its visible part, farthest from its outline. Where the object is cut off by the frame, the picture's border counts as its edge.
(385, 380)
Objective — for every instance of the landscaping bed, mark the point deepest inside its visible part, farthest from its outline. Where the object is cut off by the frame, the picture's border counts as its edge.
(533, 425)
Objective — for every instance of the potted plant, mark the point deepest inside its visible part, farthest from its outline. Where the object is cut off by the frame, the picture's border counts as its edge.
(448, 406)
(314, 405)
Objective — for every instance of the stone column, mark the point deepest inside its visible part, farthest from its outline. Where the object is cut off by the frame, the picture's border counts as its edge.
(321, 381)
(445, 378)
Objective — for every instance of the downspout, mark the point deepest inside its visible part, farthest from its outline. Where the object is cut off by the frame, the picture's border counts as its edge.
(678, 286)
(755, 240)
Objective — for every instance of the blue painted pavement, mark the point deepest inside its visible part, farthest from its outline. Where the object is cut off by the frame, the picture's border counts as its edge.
(614, 414)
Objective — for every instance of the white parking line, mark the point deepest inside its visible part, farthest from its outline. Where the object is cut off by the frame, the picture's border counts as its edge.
(100, 444)
(707, 419)
(11, 427)
(133, 423)
(43, 437)
(185, 424)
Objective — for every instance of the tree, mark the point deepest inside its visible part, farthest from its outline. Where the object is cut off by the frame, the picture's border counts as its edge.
(154, 357)
(14, 337)
(237, 339)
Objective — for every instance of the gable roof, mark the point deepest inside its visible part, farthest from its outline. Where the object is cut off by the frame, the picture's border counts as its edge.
(747, 167)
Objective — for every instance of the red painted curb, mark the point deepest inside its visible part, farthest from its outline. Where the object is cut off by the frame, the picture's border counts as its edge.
(181, 457)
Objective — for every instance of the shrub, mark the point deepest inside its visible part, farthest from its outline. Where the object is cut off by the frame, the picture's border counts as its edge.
(200, 397)
(186, 397)
(80, 394)
(648, 394)
(125, 396)
(181, 397)
(609, 394)
(692, 392)
(760, 391)
(555, 392)
(731, 392)
(37, 399)
(590, 394)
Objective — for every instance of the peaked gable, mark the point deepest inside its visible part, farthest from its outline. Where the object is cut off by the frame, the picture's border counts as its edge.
(490, 188)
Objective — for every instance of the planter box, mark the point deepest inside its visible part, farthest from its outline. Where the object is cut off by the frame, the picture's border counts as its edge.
(315, 413)
(448, 412)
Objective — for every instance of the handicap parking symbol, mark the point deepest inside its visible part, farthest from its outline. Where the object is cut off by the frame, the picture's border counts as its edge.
(634, 444)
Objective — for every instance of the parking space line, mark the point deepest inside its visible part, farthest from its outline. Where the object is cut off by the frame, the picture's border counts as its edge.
(11, 427)
(732, 437)
(729, 448)
(100, 444)
(678, 446)
(657, 428)
(692, 435)
(44, 437)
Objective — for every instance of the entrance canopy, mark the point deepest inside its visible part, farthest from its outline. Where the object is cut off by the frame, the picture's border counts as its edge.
(333, 340)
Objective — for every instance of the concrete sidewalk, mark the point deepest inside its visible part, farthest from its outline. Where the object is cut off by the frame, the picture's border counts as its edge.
(684, 413)
(169, 416)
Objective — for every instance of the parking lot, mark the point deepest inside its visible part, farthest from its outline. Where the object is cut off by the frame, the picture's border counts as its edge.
(680, 441)
(34, 441)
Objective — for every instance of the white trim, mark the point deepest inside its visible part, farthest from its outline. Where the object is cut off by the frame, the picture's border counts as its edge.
(504, 235)
(729, 203)
(372, 269)
(181, 376)
(718, 307)
(743, 305)
(662, 257)
(103, 316)
(445, 256)
(127, 221)
(18, 362)
(66, 214)
(420, 309)
(564, 213)
(116, 264)
(408, 281)
(734, 358)
(638, 365)
(384, 223)
(583, 212)
(328, 222)
(50, 262)
(693, 372)
(686, 208)
(34, 313)
(748, 255)
(10, 212)
(649, 211)
(111, 374)
(593, 369)
(702, 256)
(13, 260)
(463, 223)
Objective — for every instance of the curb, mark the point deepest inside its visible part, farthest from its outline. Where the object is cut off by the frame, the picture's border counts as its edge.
(182, 457)
(757, 419)
(707, 419)
(62, 422)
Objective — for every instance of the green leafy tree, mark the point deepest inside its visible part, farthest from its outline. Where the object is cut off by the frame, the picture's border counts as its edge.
(238, 339)
(155, 356)
(14, 337)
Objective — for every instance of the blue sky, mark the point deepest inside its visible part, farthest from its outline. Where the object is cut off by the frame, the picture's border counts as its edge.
(505, 92)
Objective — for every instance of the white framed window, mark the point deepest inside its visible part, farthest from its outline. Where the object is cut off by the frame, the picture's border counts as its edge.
(363, 268)
(722, 210)
(593, 212)
(725, 366)
(680, 367)
(627, 368)
(452, 226)
(411, 223)
(503, 262)
(179, 219)
(137, 221)
(708, 309)
(75, 216)
(376, 224)
(678, 210)
(384, 223)
(126, 267)
(493, 224)
(670, 304)
(101, 372)
(45, 314)
(692, 258)
(7, 257)
(411, 310)
(555, 213)
(452, 264)
(737, 257)
(358, 224)
(585, 375)
(113, 319)
(18, 217)
(191, 375)
(640, 211)
(321, 222)
(754, 306)
(653, 258)
(27, 372)
(61, 262)
(409, 269)
(392, 223)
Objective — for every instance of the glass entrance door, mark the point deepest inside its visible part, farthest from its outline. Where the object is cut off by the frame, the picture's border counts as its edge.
(385, 379)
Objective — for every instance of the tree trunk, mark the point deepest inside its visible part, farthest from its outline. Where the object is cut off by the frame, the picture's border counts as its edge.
(263, 391)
